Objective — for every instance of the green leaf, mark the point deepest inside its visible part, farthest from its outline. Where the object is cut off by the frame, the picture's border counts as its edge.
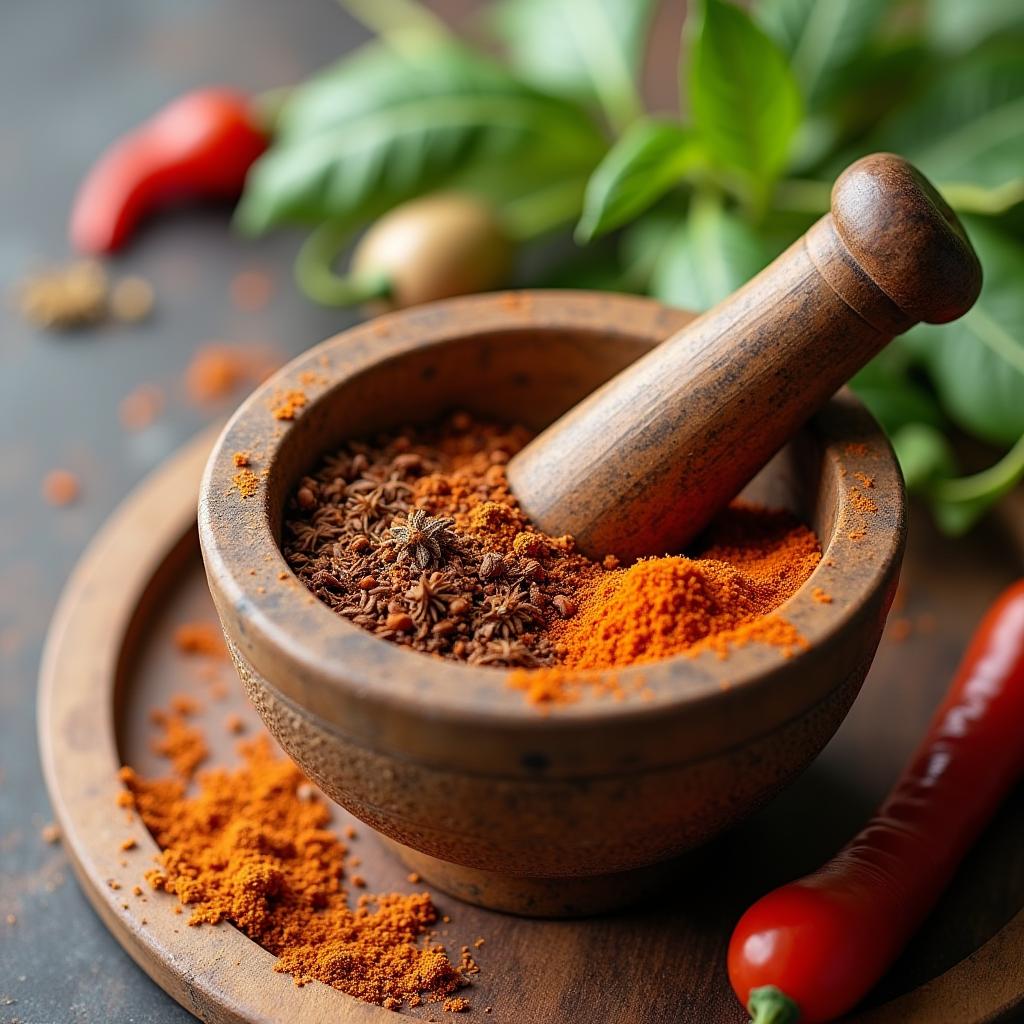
(967, 127)
(639, 169)
(643, 242)
(378, 129)
(744, 98)
(589, 49)
(708, 256)
(959, 25)
(821, 39)
(924, 454)
(977, 362)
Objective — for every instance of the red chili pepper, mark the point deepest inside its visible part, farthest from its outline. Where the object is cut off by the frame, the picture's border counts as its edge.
(810, 950)
(199, 146)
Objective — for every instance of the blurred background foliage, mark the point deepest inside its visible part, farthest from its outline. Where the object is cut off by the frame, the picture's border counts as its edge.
(536, 108)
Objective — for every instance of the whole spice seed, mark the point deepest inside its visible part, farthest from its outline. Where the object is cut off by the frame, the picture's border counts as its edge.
(61, 487)
(253, 847)
(421, 526)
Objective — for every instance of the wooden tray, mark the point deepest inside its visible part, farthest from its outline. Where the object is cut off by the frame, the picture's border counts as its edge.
(110, 659)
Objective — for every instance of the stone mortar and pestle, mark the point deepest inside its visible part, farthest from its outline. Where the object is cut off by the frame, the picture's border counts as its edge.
(641, 441)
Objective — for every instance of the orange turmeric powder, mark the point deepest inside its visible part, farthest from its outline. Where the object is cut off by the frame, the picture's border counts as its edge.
(660, 607)
(253, 847)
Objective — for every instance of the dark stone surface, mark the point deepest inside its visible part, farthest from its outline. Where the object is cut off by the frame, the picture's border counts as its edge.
(73, 76)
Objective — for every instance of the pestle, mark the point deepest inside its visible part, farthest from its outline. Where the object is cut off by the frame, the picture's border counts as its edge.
(642, 465)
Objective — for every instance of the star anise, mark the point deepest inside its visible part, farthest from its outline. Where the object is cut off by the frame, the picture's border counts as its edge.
(429, 598)
(365, 508)
(423, 539)
(507, 613)
(504, 653)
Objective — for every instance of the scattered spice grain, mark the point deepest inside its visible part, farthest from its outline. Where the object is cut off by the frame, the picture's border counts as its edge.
(287, 405)
(217, 369)
(182, 743)
(61, 487)
(246, 482)
(50, 833)
(900, 629)
(200, 638)
(213, 373)
(141, 407)
(251, 290)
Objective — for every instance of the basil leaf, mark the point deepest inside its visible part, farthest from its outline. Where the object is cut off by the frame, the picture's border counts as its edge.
(639, 169)
(977, 362)
(589, 49)
(379, 129)
(744, 98)
(644, 241)
(822, 40)
(968, 125)
(707, 258)
(960, 24)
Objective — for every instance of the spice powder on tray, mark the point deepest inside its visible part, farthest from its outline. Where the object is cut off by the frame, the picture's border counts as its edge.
(252, 845)
(417, 537)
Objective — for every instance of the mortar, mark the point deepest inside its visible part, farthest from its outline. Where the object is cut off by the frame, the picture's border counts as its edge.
(586, 807)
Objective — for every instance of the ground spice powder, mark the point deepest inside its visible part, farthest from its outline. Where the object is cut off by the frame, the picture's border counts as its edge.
(417, 537)
(253, 847)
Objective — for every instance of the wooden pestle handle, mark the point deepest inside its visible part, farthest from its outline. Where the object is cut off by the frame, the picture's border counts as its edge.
(642, 465)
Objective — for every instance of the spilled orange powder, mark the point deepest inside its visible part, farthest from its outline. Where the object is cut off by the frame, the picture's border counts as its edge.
(253, 847)
(182, 743)
(287, 406)
(246, 482)
(201, 638)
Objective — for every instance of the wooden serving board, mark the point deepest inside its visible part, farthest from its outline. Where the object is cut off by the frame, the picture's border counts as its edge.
(111, 659)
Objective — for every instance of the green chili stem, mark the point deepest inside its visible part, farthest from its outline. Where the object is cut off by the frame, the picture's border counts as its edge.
(770, 1005)
(543, 210)
(994, 482)
(315, 274)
